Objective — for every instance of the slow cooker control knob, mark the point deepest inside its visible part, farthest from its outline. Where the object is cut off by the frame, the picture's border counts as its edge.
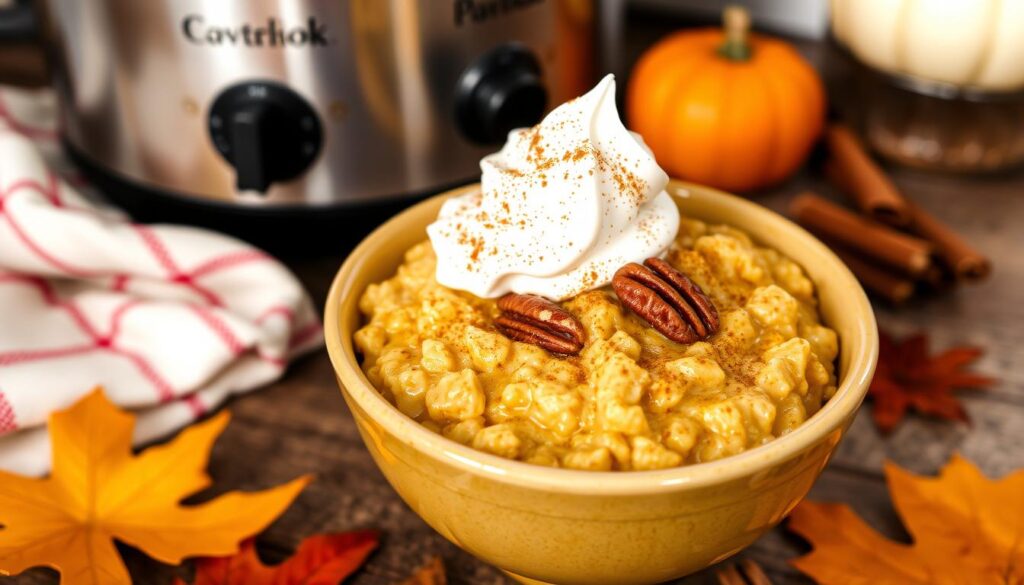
(501, 91)
(266, 131)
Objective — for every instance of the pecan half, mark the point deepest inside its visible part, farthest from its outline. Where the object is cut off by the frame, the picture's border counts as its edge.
(538, 321)
(667, 299)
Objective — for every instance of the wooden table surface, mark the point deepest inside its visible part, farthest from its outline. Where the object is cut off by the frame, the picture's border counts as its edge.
(301, 425)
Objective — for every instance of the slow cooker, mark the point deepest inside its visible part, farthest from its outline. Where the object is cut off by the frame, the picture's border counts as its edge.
(242, 113)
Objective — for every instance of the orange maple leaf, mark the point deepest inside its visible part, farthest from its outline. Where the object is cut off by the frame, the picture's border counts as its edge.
(966, 529)
(324, 559)
(909, 377)
(99, 491)
(430, 574)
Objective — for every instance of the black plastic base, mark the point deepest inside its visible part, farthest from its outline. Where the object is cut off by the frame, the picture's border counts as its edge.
(283, 230)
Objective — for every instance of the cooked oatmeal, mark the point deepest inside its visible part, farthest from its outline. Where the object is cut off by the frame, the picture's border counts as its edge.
(632, 399)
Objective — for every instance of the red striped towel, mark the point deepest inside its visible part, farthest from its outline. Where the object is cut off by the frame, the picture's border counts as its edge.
(171, 320)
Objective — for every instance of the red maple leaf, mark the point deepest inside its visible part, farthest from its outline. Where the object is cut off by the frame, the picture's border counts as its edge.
(908, 377)
(324, 559)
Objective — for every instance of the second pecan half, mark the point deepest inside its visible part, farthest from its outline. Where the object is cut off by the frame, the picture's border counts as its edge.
(538, 321)
(667, 299)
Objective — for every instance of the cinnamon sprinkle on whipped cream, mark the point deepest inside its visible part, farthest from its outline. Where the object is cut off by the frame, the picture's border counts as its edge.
(561, 207)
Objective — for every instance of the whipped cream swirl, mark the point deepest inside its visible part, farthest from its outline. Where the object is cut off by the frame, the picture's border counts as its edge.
(562, 206)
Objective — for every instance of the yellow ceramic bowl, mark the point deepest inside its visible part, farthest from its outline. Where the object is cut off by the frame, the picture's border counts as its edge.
(544, 525)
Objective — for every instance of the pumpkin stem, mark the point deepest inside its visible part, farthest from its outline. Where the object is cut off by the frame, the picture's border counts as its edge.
(736, 21)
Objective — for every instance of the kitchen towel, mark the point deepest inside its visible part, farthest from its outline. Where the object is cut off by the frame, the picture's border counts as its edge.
(170, 320)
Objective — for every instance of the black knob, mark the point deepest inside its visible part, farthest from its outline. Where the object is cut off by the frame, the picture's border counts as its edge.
(266, 131)
(501, 91)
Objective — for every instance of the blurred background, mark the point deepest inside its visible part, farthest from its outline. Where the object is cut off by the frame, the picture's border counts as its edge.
(272, 118)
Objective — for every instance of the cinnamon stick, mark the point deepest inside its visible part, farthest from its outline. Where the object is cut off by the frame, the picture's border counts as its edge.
(892, 287)
(964, 261)
(878, 279)
(906, 253)
(853, 170)
(938, 278)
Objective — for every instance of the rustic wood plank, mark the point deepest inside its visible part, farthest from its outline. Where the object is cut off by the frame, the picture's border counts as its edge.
(924, 445)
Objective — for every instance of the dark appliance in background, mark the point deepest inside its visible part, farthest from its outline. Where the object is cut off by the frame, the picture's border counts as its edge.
(298, 125)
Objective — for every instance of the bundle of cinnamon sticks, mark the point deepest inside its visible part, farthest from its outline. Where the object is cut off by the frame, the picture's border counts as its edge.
(893, 246)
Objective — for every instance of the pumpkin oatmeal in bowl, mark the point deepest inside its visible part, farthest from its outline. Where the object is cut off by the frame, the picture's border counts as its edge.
(630, 398)
(583, 372)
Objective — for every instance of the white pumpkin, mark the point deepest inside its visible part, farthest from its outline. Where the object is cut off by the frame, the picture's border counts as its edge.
(975, 43)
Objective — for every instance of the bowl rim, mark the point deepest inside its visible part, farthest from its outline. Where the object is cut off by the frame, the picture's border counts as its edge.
(848, 397)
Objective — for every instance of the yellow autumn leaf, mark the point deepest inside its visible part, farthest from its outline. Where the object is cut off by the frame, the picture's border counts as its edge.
(99, 491)
(966, 530)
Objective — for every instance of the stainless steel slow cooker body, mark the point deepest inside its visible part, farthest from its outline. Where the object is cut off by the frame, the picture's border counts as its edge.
(307, 103)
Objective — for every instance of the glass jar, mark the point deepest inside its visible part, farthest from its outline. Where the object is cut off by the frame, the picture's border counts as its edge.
(928, 124)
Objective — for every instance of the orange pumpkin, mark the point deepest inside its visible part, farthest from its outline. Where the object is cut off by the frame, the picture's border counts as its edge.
(726, 108)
